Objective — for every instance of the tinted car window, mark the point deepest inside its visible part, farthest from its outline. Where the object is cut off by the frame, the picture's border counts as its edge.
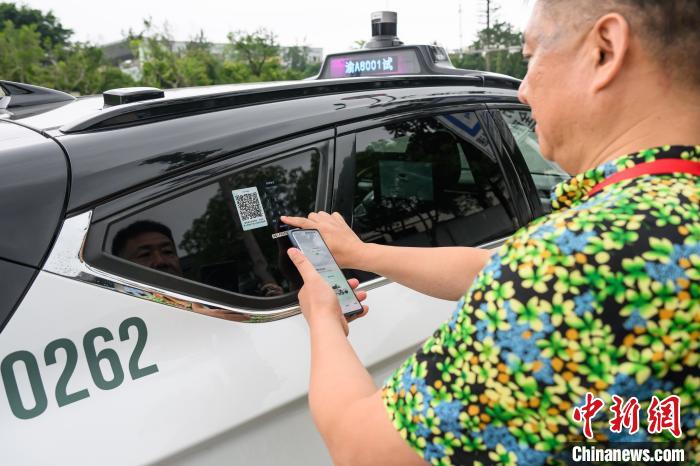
(544, 173)
(429, 182)
(221, 234)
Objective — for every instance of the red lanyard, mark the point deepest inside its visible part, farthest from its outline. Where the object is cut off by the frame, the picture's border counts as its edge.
(657, 167)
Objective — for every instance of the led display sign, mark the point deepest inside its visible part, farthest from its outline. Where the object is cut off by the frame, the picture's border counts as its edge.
(386, 62)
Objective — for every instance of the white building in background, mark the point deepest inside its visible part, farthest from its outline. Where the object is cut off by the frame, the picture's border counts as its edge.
(120, 54)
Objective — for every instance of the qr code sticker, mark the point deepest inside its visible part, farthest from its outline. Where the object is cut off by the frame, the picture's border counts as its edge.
(249, 207)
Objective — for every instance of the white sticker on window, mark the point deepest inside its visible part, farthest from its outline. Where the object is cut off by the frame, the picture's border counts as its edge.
(250, 209)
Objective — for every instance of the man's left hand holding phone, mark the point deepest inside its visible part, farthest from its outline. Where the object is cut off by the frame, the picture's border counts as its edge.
(326, 293)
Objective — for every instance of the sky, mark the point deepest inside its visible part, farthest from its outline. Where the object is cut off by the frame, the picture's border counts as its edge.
(328, 24)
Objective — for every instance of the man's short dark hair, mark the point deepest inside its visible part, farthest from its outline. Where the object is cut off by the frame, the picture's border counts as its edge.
(670, 29)
(135, 229)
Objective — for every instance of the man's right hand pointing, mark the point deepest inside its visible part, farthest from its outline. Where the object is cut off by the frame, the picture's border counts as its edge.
(347, 248)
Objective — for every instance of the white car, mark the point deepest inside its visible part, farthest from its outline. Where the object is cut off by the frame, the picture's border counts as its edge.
(147, 313)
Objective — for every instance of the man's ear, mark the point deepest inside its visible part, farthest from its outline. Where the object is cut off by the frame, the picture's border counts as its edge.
(610, 36)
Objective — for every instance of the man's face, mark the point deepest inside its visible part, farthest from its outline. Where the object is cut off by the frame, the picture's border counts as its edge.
(554, 85)
(153, 250)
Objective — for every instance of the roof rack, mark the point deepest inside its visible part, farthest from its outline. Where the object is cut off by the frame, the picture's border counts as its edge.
(167, 108)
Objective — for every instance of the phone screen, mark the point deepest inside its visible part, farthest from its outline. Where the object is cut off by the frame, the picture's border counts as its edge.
(314, 248)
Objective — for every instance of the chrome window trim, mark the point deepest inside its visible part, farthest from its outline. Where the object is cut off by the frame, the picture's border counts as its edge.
(66, 260)
(495, 244)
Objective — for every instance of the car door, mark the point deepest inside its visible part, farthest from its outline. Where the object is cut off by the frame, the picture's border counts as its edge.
(428, 181)
(163, 327)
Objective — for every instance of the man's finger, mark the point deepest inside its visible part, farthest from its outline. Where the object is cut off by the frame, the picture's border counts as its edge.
(364, 312)
(306, 270)
(361, 295)
(299, 222)
(337, 216)
(354, 283)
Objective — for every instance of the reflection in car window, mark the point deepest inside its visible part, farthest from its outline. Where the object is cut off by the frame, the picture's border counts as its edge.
(429, 182)
(544, 173)
(221, 234)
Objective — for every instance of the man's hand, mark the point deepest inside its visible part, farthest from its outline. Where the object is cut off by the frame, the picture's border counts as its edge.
(345, 404)
(347, 248)
(444, 272)
(317, 299)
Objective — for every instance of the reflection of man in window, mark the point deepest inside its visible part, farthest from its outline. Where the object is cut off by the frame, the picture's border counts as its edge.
(150, 244)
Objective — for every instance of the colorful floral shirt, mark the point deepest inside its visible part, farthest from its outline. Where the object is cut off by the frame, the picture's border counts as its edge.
(600, 296)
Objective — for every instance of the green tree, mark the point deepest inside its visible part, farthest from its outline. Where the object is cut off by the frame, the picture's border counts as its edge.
(235, 72)
(198, 50)
(164, 66)
(112, 78)
(257, 49)
(21, 54)
(78, 68)
(50, 30)
(495, 50)
(501, 34)
(158, 59)
(297, 58)
(34, 48)
(81, 69)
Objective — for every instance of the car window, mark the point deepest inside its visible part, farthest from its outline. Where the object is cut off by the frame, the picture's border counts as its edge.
(544, 173)
(221, 234)
(429, 182)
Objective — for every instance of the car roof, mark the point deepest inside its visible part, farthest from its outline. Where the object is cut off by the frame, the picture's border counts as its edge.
(90, 113)
(90, 105)
(109, 162)
(115, 149)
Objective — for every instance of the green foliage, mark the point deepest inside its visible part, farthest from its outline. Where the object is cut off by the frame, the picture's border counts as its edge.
(34, 49)
(500, 36)
(165, 67)
(39, 53)
(81, 69)
(235, 72)
(249, 57)
(21, 53)
(51, 32)
(257, 49)
(297, 58)
(161, 66)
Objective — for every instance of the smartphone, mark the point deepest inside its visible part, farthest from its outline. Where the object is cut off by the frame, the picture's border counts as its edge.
(314, 248)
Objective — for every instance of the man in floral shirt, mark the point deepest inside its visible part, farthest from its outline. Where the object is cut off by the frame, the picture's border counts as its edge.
(601, 296)
(585, 325)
